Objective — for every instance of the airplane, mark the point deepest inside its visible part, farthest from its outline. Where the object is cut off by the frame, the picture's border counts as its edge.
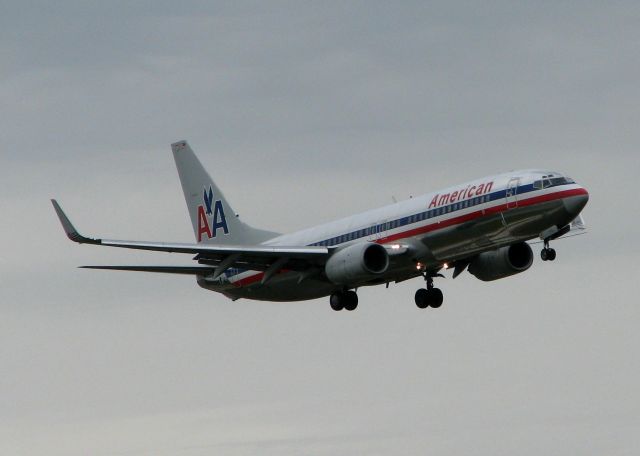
(483, 226)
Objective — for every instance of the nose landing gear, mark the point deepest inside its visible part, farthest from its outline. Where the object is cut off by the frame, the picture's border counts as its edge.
(430, 296)
(547, 253)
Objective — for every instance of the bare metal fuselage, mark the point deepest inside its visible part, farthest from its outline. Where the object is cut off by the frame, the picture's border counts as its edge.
(459, 231)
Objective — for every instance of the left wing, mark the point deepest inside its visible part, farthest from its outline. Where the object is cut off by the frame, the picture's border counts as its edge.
(219, 258)
(190, 270)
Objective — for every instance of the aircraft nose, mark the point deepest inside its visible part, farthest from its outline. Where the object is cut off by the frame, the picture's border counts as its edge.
(575, 203)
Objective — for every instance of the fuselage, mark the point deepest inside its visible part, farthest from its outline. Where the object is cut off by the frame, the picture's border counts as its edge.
(455, 223)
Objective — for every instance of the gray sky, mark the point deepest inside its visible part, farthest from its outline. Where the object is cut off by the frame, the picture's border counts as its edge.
(303, 113)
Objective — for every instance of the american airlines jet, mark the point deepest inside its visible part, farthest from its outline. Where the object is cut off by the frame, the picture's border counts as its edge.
(481, 226)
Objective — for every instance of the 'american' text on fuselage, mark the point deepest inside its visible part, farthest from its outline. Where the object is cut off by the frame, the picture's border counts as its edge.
(459, 195)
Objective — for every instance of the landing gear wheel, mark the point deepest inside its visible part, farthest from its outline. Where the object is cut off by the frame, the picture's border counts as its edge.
(422, 298)
(337, 301)
(347, 300)
(350, 300)
(548, 254)
(431, 296)
(436, 297)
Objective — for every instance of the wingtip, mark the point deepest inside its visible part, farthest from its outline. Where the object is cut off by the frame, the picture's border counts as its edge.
(71, 232)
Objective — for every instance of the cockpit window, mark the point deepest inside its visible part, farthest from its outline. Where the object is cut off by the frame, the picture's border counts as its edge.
(548, 181)
(561, 181)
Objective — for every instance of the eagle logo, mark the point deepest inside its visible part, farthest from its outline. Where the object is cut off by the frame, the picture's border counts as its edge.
(211, 216)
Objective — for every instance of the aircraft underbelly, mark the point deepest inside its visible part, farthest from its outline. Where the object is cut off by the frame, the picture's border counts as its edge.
(283, 287)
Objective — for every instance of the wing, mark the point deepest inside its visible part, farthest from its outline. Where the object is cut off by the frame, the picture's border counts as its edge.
(575, 228)
(189, 270)
(218, 258)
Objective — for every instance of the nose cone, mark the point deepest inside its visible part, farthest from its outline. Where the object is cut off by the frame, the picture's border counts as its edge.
(575, 203)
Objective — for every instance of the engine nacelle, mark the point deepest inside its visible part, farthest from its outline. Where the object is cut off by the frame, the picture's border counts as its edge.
(503, 262)
(357, 263)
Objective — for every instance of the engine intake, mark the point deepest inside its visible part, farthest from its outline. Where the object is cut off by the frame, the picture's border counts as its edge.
(357, 263)
(503, 262)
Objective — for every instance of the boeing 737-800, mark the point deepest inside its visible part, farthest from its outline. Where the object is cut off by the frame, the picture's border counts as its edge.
(481, 226)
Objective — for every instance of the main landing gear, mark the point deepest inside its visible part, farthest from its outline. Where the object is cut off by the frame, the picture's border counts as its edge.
(430, 296)
(547, 253)
(347, 299)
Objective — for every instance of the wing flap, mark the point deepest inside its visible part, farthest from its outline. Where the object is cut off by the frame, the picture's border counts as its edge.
(191, 270)
(208, 250)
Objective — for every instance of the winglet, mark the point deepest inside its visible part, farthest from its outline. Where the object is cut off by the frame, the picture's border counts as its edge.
(68, 227)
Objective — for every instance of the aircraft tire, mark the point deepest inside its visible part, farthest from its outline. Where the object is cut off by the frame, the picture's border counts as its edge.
(336, 301)
(422, 298)
(350, 300)
(435, 298)
(548, 254)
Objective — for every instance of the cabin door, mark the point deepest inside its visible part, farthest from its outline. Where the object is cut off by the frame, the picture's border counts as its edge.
(511, 194)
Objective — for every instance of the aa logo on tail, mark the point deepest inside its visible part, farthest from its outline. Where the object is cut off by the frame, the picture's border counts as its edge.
(211, 216)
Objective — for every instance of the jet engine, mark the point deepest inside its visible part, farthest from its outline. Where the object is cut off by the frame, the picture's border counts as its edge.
(356, 263)
(503, 262)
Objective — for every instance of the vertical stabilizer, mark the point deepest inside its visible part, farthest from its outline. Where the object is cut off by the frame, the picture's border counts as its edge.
(213, 219)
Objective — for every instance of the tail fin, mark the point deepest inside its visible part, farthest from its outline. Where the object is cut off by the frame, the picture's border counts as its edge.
(213, 219)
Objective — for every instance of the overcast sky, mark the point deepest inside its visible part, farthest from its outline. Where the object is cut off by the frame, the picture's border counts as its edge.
(304, 113)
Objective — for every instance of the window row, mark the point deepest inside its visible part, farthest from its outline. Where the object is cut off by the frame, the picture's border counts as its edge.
(386, 226)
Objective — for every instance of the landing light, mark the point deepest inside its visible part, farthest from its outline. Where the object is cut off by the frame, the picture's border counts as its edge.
(395, 246)
(446, 265)
(418, 266)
